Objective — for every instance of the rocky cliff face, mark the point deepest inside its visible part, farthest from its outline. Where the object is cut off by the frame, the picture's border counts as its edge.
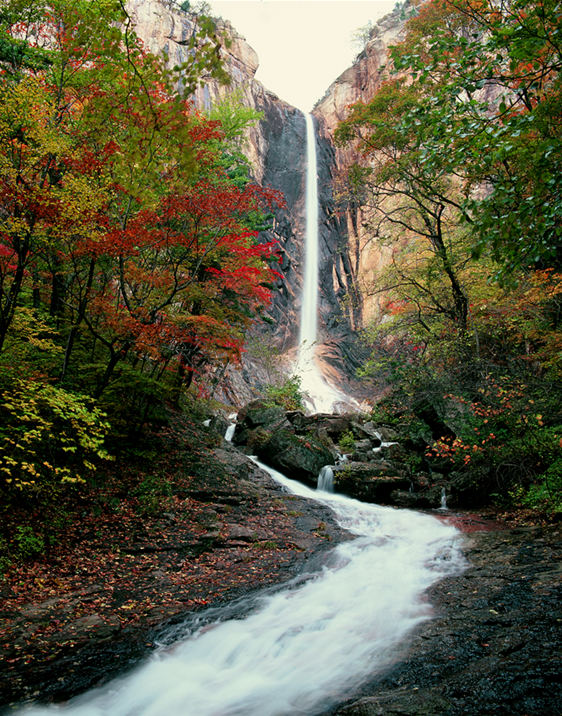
(275, 146)
(358, 84)
(277, 150)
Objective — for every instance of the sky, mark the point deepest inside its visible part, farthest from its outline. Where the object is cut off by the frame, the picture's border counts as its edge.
(303, 45)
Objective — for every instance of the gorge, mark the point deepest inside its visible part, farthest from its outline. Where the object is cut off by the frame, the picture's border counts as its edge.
(277, 150)
(176, 573)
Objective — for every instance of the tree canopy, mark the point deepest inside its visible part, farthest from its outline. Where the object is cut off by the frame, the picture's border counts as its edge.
(459, 165)
(129, 253)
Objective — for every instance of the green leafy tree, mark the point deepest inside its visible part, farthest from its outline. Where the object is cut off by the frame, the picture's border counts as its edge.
(489, 75)
(460, 160)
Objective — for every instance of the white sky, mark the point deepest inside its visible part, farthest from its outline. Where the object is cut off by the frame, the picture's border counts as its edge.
(303, 45)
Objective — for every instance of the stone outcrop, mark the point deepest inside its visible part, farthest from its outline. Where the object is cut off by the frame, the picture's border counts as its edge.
(373, 463)
(363, 258)
(276, 147)
(370, 481)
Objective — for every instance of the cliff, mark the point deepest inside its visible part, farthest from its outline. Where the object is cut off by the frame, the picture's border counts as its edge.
(358, 84)
(276, 147)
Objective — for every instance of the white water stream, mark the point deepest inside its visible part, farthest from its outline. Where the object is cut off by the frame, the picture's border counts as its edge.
(306, 646)
(321, 396)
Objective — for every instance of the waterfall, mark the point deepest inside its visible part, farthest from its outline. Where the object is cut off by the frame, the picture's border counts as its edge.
(309, 307)
(321, 397)
(326, 479)
(305, 647)
(229, 434)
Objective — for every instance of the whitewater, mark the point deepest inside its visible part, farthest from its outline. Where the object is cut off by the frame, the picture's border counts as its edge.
(308, 645)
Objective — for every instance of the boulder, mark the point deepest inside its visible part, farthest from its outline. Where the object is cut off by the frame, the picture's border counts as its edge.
(395, 452)
(298, 457)
(331, 425)
(370, 430)
(219, 424)
(364, 445)
(388, 434)
(412, 500)
(370, 482)
(258, 414)
(364, 456)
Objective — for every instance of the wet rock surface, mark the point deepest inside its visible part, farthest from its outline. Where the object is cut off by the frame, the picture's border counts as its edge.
(493, 646)
(368, 462)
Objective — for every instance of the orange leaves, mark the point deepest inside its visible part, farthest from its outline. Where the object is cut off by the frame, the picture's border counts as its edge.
(114, 198)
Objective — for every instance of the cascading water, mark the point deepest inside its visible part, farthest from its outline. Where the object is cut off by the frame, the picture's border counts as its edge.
(309, 308)
(304, 648)
(326, 479)
(321, 396)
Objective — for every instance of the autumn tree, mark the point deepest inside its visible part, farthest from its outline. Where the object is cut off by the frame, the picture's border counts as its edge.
(460, 165)
(490, 75)
(127, 221)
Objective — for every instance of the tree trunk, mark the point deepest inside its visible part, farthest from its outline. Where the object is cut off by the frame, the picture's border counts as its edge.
(116, 356)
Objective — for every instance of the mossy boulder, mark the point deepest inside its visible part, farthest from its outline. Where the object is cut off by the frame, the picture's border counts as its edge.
(258, 414)
(370, 482)
(297, 456)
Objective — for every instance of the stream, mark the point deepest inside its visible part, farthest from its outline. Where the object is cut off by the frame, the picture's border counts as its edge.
(305, 647)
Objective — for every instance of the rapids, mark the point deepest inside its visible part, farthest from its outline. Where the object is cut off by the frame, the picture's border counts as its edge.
(305, 647)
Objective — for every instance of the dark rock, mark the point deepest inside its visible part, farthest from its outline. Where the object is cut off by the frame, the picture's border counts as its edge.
(401, 702)
(493, 646)
(257, 414)
(395, 452)
(219, 424)
(365, 445)
(240, 533)
(370, 430)
(371, 482)
(237, 462)
(364, 456)
(332, 425)
(297, 457)
(299, 420)
(411, 500)
(388, 434)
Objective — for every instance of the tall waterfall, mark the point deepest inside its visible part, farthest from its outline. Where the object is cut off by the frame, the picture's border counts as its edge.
(309, 307)
(302, 649)
(321, 396)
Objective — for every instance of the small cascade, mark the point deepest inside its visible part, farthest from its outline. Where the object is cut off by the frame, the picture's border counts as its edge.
(443, 505)
(229, 434)
(326, 479)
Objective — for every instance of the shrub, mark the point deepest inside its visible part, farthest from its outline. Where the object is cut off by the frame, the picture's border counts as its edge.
(287, 395)
(347, 441)
(48, 436)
